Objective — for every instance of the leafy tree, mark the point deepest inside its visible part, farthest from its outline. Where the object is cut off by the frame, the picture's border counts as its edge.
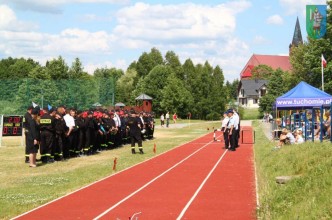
(261, 72)
(176, 98)
(57, 69)
(124, 87)
(147, 61)
(217, 97)
(154, 83)
(172, 60)
(275, 89)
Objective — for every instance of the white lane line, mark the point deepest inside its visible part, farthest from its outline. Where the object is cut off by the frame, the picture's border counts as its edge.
(200, 187)
(151, 181)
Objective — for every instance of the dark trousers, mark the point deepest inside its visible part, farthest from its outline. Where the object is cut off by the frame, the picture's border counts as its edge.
(232, 139)
(46, 145)
(237, 136)
(226, 138)
(59, 143)
(136, 138)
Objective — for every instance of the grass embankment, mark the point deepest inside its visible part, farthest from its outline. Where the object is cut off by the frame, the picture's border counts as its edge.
(309, 194)
(23, 188)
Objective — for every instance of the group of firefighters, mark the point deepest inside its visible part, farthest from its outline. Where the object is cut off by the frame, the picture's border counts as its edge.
(62, 133)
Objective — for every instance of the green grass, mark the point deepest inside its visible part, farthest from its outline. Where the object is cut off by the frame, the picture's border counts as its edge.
(309, 194)
(249, 114)
(23, 188)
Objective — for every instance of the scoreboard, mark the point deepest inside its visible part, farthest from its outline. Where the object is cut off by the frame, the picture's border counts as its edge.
(12, 125)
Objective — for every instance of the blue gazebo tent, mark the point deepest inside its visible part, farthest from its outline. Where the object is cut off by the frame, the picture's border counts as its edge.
(303, 96)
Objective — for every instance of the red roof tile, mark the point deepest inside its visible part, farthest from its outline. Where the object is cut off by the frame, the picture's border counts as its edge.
(273, 61)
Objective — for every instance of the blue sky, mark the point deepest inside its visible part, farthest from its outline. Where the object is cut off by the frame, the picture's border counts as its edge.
(113, 33)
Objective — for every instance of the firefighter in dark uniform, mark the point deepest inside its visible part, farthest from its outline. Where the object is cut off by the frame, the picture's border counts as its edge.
(112, 132)
(32, 137)
(60, 128)
(47, 131)
(135, 125)
(90, 134)
(124, 130)
(27, 117)
(80, 123)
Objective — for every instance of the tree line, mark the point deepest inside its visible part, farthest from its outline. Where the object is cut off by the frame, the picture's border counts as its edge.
(174, 86)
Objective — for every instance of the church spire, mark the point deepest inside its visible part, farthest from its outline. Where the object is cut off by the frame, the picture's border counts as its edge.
(297, 37)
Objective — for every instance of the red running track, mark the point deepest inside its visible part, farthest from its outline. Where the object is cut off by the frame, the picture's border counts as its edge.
(197, 180)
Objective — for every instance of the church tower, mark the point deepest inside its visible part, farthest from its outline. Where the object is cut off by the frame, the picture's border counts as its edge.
(297, 37)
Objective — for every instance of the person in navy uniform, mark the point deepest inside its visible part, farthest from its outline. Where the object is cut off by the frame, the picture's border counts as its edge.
(47, 136)
(231, 130)
(27, 117)
(32, 137)
(224, 129)
(135, 124)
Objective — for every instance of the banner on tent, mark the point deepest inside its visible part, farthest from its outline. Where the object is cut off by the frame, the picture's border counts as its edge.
(303, 102)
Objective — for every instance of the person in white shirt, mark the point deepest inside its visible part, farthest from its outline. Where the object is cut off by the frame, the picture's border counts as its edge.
(167, 119)
(117, 120)
(299, 137)
(224, 128)
(162, 120)
(70, 124)
(231, 130)
(236, 127)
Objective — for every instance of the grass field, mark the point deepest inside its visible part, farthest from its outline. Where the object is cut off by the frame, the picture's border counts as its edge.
(23, 188)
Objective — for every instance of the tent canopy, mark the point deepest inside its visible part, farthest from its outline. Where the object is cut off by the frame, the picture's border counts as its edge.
(303, 96)
(143, 97)
(120, 104)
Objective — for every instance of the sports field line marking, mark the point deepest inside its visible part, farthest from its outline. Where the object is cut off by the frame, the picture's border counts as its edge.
(200, 187)
(151, 181)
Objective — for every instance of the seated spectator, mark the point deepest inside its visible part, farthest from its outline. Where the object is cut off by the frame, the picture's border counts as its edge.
(286, 137)
(299, 137)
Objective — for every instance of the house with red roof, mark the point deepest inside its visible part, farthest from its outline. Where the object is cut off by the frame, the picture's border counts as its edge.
(251, 90)
(274, 61)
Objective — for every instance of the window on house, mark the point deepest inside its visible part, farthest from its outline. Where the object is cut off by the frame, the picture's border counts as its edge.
(255, 101)
(263, 92)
